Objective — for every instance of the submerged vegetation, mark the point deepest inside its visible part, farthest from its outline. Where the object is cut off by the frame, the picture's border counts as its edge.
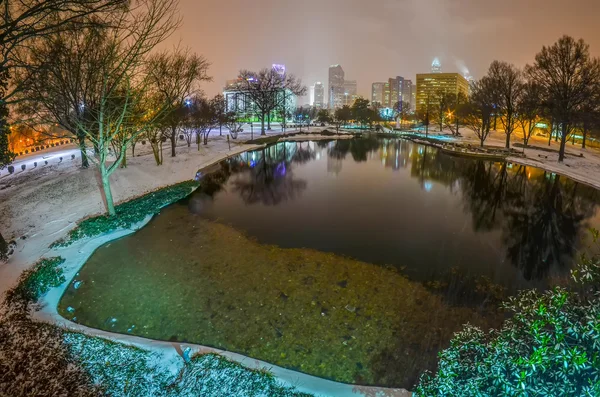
(315, 312)
(39, 359)
(128, 213)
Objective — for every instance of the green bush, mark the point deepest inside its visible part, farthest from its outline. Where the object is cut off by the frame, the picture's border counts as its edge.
(35, 282)
(128, 213)
(550, 347)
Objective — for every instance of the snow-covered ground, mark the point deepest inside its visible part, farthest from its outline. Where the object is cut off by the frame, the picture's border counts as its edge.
(40, 205)
(582, 165)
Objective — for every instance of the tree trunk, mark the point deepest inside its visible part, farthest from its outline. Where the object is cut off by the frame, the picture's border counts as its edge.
(85, 163)
(269, 121)
(482, 139)
(110, 205)
(508, 141)
(563, 141)
(133, 148)
(3, 249)
(584, 136)
(262, 125)
(173, 141)
(551, 131)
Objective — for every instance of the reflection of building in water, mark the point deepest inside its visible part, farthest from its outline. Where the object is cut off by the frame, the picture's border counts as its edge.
(334, 165)
(395, 154)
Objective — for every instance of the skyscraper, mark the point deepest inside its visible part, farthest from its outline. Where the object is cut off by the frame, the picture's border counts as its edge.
(436, 66)
(431, 85)
(407, 93)
(319, 92)
(395, 91)
(350, 93)
(377, 94)
(336, 86)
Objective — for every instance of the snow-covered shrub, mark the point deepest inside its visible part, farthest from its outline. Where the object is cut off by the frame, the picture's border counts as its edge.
(550, 347)
(35, 282)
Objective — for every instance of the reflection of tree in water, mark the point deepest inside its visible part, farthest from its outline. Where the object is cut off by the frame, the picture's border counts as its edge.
(358, 148)
(541, 217)
(545, 221)
(268, 177)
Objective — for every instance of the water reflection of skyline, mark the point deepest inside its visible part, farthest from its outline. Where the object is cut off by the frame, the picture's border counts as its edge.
(541, 217)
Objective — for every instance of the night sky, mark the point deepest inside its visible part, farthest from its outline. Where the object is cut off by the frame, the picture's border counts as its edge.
(377, 39)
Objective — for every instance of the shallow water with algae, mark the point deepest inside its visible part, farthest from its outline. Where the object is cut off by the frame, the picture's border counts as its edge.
(207, 270)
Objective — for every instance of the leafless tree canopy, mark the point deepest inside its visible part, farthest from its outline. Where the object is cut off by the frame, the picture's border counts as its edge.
(508, 85)
(23, 22)
(479, 108)
(568, 78)
(95, 81)
(175, 76)
(267, 90)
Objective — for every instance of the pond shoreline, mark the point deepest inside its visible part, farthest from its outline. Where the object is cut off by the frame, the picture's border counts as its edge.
(76, 256)
(508, 157)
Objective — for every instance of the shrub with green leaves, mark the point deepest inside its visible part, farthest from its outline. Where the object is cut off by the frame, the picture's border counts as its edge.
(128, 213)
(550, 347)
(35, 282)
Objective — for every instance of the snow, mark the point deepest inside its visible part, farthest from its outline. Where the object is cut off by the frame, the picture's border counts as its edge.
(581, 165)
(39, 206)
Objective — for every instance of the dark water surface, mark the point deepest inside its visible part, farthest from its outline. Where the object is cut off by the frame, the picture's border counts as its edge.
(353, 260)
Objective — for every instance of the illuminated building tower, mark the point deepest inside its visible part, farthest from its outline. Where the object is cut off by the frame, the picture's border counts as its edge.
(436, 66)
(431, 85)
(377, 94)
(319, 95)
(336, 86)
(280, 69)
(386, 95)
(349, 92)
(407, 93)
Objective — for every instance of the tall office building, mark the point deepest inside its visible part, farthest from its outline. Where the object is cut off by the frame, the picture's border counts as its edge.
(319, 95)
(336, 86)
(396, 85)
(350, 93)
(436, 66)
(407, 93)
(386, 95)
(431, 85)
(377, 94)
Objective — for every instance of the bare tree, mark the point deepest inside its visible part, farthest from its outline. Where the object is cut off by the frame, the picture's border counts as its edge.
(480, 108)
(508, 83)
(402, 111)
(445, 104)
(267, 91)
(567, 75)
(118, 87)
(529, 108)
(25, 21)
(234, 122)
(203, 118)
(174, 77)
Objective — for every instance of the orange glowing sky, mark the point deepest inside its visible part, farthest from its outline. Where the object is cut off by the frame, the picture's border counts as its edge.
(376, 39)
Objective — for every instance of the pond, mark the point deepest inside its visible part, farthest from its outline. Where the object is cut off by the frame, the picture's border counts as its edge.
(352, 260)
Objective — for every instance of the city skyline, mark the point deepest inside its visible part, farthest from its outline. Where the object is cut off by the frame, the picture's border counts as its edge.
(458, 34)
